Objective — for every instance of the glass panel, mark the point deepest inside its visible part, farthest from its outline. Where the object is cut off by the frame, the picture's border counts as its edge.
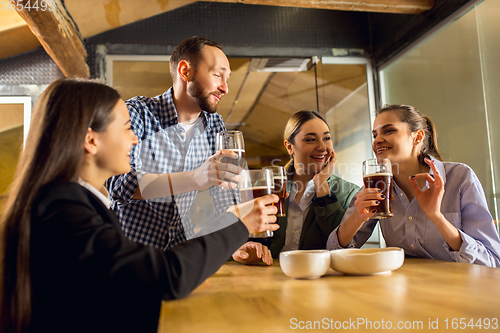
(11, 143)
(347, 112)
(442, 78)
(346, 109)
(488, 13)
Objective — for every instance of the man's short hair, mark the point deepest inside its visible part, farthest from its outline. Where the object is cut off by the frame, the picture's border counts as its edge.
(189, 49)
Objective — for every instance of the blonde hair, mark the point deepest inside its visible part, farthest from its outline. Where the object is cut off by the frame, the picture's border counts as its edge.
(295, 123)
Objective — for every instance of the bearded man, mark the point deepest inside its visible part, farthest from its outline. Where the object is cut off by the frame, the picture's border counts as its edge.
(176, 154)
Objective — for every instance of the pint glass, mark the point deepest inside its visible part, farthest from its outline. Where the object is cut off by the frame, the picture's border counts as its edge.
(254, 184)
(232, 140)
(377, 173)
(279, 175)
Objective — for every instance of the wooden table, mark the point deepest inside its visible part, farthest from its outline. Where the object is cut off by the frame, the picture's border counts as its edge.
(423, 295)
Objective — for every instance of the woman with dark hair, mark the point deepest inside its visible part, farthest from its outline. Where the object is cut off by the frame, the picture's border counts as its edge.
(317, 198)
(440, 209)
(66, 264)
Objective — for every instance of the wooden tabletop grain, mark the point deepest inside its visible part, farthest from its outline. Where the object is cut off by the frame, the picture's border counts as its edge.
(422, 296)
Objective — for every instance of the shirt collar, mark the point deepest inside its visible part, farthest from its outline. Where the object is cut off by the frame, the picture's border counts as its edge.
(289, 180)
(105, 199)
(307, 196)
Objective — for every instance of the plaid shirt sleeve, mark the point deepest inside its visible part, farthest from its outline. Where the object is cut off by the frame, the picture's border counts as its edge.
(222, 198)
(162, 149)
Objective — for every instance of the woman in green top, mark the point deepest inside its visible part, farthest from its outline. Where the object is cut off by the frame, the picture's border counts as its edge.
(317, 198)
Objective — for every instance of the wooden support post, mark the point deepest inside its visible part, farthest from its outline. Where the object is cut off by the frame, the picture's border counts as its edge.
(381, 6)
(58, 35)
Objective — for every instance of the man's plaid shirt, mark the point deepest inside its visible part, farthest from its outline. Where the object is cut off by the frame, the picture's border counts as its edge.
(164, 222)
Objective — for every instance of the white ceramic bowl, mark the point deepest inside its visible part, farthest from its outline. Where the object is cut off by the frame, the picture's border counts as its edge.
(367, 261)
(305, 264)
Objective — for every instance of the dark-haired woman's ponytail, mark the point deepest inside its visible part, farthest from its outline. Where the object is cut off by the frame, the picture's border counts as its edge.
(430, 147)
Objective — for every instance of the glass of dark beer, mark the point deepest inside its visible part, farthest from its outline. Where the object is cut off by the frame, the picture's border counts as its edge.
(377, 173)
(254, 184)
(279, 175)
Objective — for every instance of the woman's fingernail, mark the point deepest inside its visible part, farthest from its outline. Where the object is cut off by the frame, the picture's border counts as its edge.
(374, 211)
(412, 177)
(377, 202)
(383, 196)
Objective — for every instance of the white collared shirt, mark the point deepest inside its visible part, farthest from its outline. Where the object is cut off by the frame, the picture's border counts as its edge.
(296, 214)
(105, 199)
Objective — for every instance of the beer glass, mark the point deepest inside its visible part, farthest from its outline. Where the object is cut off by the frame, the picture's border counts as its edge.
(377, 173)
(279, 175)
(254, 184)
(232, 140)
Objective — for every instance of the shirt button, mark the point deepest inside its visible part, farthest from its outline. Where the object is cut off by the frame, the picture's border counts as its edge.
(410, 218)
(412, 246)
(300, 213)
(297, 231)
(307, 195)
(401, 194)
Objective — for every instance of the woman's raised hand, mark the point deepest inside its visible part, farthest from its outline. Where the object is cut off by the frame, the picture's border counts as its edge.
(365, 203)
(429, 199)
(321, 178)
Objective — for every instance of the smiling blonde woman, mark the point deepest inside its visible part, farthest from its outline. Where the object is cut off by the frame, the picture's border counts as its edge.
(317, 198)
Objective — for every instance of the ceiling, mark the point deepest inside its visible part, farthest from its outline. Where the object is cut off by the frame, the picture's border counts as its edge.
(96, 16)
(259, 102)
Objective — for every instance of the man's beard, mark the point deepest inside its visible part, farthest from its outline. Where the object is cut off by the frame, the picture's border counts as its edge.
(198, 93)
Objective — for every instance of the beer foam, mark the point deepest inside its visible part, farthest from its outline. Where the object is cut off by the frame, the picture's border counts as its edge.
(378, 174)
(280, 177)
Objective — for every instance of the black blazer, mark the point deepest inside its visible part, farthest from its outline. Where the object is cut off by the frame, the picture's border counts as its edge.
(88, 277)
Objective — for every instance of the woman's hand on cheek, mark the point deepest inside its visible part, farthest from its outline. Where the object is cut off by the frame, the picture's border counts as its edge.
(321, 178)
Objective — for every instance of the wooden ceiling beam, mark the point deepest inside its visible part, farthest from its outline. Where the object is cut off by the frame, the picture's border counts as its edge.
(380, 6)
(58, 35)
